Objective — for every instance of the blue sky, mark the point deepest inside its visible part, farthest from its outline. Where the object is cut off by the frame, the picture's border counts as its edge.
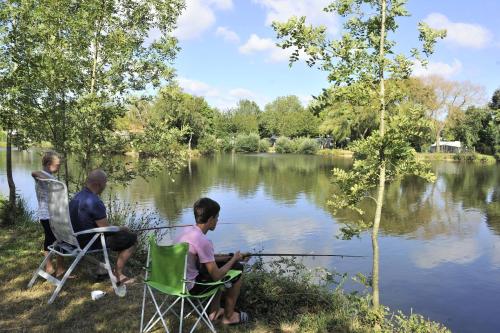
(228, 47)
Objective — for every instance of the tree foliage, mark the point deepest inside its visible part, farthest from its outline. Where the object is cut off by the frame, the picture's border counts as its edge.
(285, 116)
(83, 60)
(363, 55)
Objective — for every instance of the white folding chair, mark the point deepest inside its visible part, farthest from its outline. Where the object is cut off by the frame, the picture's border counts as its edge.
(66, 243)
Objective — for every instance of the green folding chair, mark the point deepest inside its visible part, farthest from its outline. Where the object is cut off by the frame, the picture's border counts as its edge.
(166, 275)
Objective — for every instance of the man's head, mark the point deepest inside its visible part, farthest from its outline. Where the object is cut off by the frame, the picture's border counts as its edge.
(206, 212)
(96, 181)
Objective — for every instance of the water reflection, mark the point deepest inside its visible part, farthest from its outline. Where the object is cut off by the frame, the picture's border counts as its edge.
(440, 243)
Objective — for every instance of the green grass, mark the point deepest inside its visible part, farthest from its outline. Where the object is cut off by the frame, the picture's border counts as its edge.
(477, 157)
(278, 296)
(335, 152)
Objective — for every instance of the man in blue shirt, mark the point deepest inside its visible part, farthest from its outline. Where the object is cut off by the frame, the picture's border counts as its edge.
(87, 211)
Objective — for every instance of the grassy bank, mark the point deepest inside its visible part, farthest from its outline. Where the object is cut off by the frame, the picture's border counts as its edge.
(277, 301)
(465, 157)
(335, 152)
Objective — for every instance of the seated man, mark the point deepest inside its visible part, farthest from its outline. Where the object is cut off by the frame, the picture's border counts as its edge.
(87, 211)
(204, 266)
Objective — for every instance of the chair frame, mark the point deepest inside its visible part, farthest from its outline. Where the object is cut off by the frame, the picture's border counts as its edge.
(203, 302)
(70, 247)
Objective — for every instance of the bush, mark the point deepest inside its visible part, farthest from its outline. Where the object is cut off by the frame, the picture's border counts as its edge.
(264, 145)
(208, 145)
(465, 157)
(284, 145)
(284, 292)
(307, 146)
(226, 144)
(247, 143)
(19, 215)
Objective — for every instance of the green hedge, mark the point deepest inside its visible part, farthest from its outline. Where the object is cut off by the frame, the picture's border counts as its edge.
(208, 145)
(247, 143)
(264, 145)
(307, 146)
(284, 145)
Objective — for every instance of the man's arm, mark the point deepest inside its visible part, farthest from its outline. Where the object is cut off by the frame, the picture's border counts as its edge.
(102, 222)
(217, 273)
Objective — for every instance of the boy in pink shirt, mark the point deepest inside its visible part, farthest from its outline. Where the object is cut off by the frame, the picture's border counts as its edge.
(204, 266)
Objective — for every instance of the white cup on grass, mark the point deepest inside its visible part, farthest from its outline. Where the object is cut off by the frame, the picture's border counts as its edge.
(96, 294)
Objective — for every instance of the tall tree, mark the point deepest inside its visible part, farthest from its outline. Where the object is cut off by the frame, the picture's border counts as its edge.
(495, 100)
(18, 63)
(364, 54)
(285, 116)
(451, 97)
(245, 117)
(90, 56)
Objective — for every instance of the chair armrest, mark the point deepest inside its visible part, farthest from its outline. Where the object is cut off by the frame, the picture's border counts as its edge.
(98, 230)
(215, 283)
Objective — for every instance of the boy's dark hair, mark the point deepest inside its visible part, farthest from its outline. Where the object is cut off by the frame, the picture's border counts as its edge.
(49, 157)
(204, 209)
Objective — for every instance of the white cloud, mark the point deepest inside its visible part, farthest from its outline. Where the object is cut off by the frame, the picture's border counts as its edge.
(282, 10)
(242, 93)
(438, 68)
(198, 17)
(222, 4)
(227, 34)
(461, 34)
(255, 44)
(305, 99)
(219, 97)
(197, 88)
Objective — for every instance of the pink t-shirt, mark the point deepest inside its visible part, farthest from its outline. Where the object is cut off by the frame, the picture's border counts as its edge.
(201, 249)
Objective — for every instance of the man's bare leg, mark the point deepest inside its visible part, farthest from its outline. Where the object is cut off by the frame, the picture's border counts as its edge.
(231, 297)
(121, 261)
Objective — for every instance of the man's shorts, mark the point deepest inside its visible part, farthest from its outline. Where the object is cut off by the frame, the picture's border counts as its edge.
(115, 241)
(204, 277)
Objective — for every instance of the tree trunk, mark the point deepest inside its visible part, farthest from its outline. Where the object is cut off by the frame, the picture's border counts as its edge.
(438, 141)
(381, 187)
(10, 179)
(376, 226)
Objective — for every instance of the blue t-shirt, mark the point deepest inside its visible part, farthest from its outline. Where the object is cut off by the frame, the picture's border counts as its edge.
(84, 209)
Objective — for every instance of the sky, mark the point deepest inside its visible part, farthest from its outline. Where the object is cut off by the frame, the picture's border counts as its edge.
(228, 47)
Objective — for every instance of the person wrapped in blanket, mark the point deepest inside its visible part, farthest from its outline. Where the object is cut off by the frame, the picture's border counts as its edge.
(50, 166)
(204, 266)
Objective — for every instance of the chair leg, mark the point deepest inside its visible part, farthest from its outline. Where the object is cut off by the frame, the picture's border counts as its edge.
(65, 277)
(107, 263)
(152, 322)
(182, 315)
(143, 308)
(35, 275)
(158, 310)
(202, 315)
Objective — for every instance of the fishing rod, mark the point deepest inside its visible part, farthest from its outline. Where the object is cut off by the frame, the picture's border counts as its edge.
(248, 255)
(171, 227)
(299, 255)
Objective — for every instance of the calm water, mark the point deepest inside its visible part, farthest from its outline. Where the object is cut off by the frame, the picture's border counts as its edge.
(439, 243)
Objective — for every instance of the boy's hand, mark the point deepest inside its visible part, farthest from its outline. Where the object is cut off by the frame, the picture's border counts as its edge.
(237, 256)
(246, 256)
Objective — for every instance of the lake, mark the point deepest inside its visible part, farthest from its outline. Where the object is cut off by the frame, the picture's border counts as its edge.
(439, 243)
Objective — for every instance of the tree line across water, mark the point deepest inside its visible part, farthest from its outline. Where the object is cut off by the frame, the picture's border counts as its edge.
(450, 110)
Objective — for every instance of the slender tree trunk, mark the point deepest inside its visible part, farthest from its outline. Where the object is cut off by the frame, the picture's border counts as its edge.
(381, 187)
(10, 179)
(438, 139)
